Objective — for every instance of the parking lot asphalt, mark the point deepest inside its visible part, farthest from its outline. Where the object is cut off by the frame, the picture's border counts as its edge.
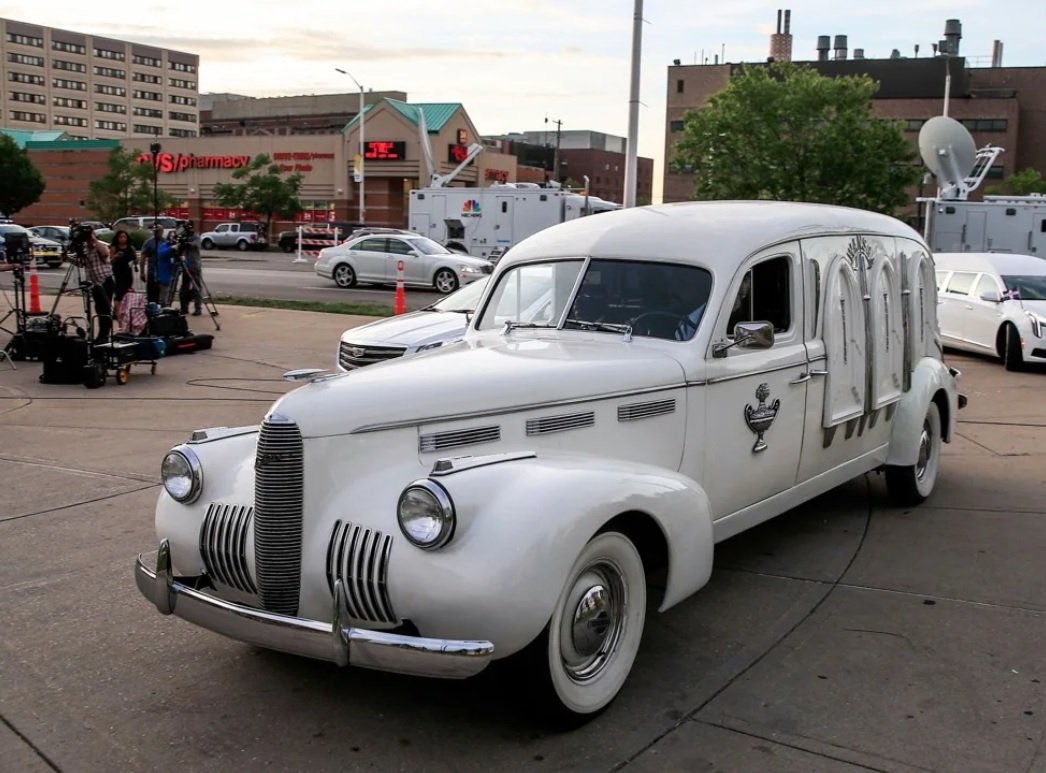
(845, 635)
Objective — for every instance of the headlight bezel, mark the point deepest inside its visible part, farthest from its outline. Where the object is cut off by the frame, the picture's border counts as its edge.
(1038, 324)
(446, 513)
(195, 467)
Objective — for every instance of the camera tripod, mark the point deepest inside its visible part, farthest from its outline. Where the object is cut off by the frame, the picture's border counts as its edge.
(19, 347)
(203, 293)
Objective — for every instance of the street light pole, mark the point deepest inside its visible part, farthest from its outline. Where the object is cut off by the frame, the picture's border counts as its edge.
(363, 205)
(631, 158)
(154, 151)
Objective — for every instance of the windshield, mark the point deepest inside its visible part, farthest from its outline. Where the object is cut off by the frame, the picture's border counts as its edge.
(464, 300)
(1028, 288)
(656, 300)
(428, 247)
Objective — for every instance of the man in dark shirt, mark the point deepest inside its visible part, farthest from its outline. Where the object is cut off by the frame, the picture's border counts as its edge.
(189, 253)
(148, 264)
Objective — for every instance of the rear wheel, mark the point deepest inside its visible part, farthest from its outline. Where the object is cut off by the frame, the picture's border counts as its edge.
(344, 276)
(912, 484)
(445, 281)
(242, 245)
(1013, 356)
(579, 663)
(207, 244)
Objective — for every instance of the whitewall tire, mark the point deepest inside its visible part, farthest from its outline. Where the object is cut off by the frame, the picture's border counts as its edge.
(912, 484)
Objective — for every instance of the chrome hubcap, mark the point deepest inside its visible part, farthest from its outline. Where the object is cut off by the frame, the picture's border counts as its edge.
(593, 621)
(924, 452)
(445, 282)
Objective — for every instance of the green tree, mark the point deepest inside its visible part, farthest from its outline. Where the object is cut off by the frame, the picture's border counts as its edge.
(1020, 184)
(21, 183)
(785, 132)
(126, 189)
(264, 191)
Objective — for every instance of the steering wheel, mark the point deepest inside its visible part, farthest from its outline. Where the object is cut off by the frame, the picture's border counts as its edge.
(670, 324)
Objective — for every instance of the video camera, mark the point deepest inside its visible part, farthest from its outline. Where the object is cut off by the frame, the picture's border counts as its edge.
(183, 233)
(16, 248)
(81, 237)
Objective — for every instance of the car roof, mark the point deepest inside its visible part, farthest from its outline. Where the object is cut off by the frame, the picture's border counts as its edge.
(995, 262)
(714, 233)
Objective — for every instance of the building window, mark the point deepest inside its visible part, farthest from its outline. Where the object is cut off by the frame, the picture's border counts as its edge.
(147, 112)
(69, 102)
(187, 117)
(182, 84)
(178, 99)
(985, 124)
(21, 115)
(148, 61)
(113, 126)
(69, 48)
(141, 128)
(105, 53)
(995, 172)
(110, 72)
(23, 77)
(183, 67)
(35, 61)
(62, 64)
(109, 107)
(914, 124)
(142, 77)
(25, 40)
(22, 96)
(676, 126)
(111, 91)
(62, 83)
(679, 86)
(152, 96)
(69, 120)
(182, 133)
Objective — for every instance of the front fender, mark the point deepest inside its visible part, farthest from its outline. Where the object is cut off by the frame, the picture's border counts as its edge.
(521, 526)
(929, 377)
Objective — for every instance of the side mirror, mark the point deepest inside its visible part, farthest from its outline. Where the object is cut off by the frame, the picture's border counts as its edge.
(992, 296)
(748, 335)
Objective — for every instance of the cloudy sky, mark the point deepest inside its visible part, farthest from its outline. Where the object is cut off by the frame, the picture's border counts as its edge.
(513, 63)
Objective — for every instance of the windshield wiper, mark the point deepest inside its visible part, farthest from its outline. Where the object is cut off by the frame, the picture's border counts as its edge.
(604, 327)
(511, 325)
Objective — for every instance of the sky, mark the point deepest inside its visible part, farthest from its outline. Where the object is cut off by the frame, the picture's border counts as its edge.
(514, 63)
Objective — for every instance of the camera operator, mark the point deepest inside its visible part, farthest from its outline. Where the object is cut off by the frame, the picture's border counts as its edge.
(191, 264)
(95, 256)
(148, 267)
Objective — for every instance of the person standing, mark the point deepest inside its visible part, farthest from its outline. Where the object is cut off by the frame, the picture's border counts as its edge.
(191, 264)
(100, 275)
(147, 267)
(123, 260)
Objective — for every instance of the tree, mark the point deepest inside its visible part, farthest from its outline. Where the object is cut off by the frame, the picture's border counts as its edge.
(264, 190)
(126, 189)
(1020, 184)
(21, 183)
(784, 132)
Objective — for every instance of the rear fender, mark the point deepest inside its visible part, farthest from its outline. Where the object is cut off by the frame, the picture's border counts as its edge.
(930, 377)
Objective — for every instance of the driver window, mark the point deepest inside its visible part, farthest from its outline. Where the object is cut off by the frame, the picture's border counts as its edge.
(765, 294)
(987, 285)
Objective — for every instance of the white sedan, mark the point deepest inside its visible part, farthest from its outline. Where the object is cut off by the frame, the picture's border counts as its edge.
(374, 259)
(993, 303)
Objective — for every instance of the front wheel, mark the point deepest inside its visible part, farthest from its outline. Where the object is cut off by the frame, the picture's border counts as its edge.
(445, 281)
(582, 659)
(207, 244)
(344, 276)
(1013, 356)
(912, 484)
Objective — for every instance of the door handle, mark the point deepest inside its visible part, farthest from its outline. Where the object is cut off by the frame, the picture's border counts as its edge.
(802, 379)
(818, 372)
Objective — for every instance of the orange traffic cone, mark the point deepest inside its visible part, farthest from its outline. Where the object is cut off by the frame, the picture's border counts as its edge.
(34, 290)
(401, 298)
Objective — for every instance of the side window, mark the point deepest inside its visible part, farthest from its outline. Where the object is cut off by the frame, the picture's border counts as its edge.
(399, 247)
(961, 282)
(987, 286)
(372, 245)
(222, 228)
(765, 294)
(942, 277)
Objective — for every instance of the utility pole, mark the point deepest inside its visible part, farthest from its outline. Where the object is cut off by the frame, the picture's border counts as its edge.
(631, 160)
(555, 158)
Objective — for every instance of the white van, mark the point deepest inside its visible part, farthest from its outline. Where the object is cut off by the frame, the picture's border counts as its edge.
(993, 303)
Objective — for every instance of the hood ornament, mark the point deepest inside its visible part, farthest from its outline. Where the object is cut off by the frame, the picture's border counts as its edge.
(761, 418)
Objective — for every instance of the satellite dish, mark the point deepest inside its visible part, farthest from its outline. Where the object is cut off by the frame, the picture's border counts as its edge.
(948, 151)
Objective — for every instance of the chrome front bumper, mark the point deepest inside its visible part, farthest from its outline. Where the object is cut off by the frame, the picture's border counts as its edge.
(338, 642)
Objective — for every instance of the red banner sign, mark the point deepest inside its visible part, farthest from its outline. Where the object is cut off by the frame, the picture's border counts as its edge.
(501, 175)
(172, 163)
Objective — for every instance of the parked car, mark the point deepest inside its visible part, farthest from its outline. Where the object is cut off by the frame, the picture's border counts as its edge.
(322, 232)
(145, 223)
(374, 259)
(242, 236)
(17, 242)
(993, 303)
(46, 251)
(701, 368)
(56, 233)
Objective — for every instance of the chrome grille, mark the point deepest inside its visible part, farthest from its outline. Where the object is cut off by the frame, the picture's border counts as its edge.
(278, 472)
(223, 544)
(359, 557)
(547, 424)
(356, 355)
(645, 410)
(437, 441)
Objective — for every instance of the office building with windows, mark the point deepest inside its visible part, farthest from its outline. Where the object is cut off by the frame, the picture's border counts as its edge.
(92, 87)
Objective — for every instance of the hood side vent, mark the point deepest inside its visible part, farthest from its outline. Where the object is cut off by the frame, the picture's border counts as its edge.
(547, 424)
(646, 410)
(439, 441)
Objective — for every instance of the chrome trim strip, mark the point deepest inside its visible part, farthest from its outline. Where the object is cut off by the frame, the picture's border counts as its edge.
(444, 467)
(735, 376)
(544, 425)
(336, 643)
(211, 434)
(456, 438)
(512, 409)
(647, 410)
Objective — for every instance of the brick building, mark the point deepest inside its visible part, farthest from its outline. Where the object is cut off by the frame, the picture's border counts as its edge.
(242, 116)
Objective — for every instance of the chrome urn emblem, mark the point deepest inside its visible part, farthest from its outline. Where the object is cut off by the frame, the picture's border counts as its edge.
(761, 418)
(356, 352)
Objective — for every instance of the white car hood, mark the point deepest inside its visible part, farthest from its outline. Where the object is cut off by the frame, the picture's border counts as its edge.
(514, 373)
(409, 330)
(1036, 307)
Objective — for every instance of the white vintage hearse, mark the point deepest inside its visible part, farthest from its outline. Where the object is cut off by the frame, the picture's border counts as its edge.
(697, 369)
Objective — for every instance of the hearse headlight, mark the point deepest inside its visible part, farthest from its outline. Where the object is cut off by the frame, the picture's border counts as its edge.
(182, 475)
(426, 514)
(1038, 324)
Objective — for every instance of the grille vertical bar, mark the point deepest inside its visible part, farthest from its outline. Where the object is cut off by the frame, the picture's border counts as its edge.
(278, 495)
(359, 557)
(223, 544)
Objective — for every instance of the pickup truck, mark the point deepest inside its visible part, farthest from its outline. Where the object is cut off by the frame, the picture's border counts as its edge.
(242, 236)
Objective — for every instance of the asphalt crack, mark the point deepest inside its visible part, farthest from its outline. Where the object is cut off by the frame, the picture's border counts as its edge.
(25, 739)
